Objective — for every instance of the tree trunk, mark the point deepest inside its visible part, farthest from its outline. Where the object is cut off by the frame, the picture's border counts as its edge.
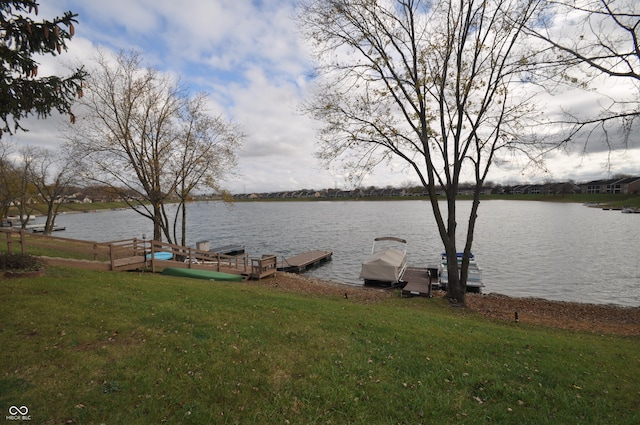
(456, 287)
(157, 223)
(183, 207)
(50, 222)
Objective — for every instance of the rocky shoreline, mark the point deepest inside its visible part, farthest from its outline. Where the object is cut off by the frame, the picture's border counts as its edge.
(599, 319)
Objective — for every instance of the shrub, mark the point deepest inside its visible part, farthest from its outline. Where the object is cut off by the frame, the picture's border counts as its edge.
(19, 262)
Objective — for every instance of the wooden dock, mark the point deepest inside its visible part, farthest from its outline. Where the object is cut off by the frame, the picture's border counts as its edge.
(302, 262)
(143, 254)
(233, 250)
(419, 282)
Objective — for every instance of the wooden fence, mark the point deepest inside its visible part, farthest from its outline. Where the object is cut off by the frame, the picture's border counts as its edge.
(128, 254)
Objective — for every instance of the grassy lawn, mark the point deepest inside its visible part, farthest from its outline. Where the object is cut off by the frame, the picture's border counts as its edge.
(103, 347)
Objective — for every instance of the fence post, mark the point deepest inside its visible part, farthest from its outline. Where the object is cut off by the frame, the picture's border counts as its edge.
(111, 255)
(153, 257)
(9, 241)
(23, 241)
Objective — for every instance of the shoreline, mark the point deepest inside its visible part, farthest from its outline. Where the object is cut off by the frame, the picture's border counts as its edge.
(605, 319)
(338, 278)
(592, 318)
(599, 198)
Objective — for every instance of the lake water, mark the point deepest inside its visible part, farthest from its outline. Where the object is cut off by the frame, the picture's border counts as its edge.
(556, 251)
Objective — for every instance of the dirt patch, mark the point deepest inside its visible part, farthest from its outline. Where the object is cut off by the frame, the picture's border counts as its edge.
(309, 285)
(600, 319)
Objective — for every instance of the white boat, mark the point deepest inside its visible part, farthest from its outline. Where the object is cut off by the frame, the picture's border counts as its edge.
(474, 277)
(387, 262)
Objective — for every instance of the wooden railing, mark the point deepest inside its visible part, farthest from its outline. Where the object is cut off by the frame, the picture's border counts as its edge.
(265, 266)
(21, 241)
(128, 254)
(195, 258)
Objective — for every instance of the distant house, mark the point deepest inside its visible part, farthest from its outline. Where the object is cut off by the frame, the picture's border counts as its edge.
(622, 186)
(77, 198)
(630, 185)
(520, 190)
(562, 189)
(627, 185)
(597, 186)
(469, 190)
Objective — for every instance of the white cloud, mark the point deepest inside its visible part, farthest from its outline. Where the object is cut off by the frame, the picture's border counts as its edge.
(249, 56)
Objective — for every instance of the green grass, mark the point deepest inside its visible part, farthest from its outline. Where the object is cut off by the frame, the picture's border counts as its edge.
(89, 348)
(40, 245)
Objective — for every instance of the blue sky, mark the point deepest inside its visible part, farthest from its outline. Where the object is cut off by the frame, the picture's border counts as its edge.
(251, 59)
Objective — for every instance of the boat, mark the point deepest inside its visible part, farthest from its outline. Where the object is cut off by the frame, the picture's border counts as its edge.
(233, 250)
(160, 255)
(201, 274)
(387, 262)
(474, 277)
(630, 210)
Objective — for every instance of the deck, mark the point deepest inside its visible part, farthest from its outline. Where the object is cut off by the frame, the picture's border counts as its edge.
(419, 282)
(142, 254)
(302, 262)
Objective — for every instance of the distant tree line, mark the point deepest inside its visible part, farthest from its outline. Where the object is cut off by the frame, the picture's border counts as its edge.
(626, 184)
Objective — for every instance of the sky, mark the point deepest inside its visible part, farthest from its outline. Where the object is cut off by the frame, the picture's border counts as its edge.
(251, 59)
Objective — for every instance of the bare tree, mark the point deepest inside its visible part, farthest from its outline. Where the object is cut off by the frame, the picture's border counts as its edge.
(26, 191)
(124, 139)
(8, 178)
(131, 137)
(590, 39)
(439, 85)
(205, 154)
(16, 190)
(52, 174)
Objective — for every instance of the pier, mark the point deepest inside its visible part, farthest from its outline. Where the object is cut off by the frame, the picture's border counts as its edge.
(302, 262)
(420, 282)
(137, 254)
